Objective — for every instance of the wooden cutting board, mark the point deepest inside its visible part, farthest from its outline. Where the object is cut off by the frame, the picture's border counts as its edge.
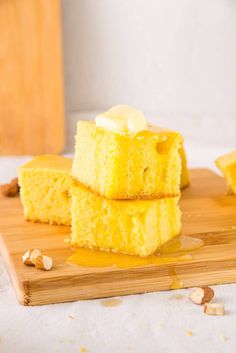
(31, 89)
(208, 214)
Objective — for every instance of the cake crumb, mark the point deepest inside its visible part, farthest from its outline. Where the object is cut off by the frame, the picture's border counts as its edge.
(223, 338)
(71, 340)
(176, 297)
(71, 317)
(189, 333)
(83, 349)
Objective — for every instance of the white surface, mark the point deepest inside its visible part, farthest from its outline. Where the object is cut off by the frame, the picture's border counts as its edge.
(166, 57)
(150, 323)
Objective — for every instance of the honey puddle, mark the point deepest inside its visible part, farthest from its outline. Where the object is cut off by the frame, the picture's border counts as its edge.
(111, 302)
(181, 244)
(177, 250)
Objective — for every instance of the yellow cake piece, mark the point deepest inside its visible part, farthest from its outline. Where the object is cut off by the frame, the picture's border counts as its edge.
(227, 165)
(185, 177)
(136, 227)
(45, 183)
(128, 166)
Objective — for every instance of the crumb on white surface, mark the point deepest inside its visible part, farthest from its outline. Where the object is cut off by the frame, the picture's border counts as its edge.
(189, 333)
(223, 338)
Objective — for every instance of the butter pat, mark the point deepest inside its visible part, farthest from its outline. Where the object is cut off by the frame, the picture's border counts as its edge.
(122, 119)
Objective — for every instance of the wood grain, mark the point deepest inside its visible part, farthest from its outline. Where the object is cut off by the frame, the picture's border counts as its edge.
(208, 214)
(31, 90)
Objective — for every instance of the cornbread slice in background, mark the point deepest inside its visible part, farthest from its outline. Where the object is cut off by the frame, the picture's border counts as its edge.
(227, 166)
(136, 227)
(125, 166)
(185, 177)
(45, 182)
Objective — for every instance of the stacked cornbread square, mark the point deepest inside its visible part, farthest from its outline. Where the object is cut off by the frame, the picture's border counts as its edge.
(227, 165)
(45, 184)
(123, 166)
(126, 184)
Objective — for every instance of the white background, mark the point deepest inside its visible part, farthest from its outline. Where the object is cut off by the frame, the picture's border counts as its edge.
(174, 59)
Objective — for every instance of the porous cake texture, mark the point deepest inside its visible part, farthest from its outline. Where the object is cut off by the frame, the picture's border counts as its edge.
(124, 166)
(136, 227)
(227, 166)
(185, 177)
(45, 184)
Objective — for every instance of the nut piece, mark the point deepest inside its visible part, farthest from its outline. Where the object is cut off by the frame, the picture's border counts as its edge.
(43, 262)
(201, 295)
(10, 190)
(214, 309)
(30, 256)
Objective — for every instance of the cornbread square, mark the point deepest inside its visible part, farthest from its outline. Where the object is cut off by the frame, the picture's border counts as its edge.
(136, 227)
(124, 166)
(45, 183)
(185, 178)
(227, 165)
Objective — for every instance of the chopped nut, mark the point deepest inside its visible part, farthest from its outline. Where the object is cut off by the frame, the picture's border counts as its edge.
(214, 309)
(30, 256)
(11, 189)
(43, 262)
(201, 295)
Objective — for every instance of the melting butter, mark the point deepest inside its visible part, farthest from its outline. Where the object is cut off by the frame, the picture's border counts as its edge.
(122, 118)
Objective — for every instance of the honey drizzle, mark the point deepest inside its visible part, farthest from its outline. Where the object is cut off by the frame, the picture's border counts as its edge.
(175, 282)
